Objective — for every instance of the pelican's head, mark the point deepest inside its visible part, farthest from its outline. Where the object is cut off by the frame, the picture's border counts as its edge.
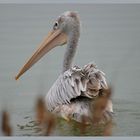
(68, 22)
(63, 27)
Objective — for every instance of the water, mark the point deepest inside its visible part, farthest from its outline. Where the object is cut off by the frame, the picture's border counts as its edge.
(109, 37)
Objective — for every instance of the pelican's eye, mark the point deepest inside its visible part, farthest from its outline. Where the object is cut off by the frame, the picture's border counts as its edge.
(55, 25)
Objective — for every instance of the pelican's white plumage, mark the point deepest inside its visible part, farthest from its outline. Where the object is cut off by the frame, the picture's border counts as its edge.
(76, 87)
(75, 82)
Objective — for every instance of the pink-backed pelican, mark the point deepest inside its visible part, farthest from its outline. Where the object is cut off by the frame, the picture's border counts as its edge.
(75, 88)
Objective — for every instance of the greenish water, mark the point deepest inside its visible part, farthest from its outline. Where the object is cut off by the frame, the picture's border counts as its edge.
(109, 37)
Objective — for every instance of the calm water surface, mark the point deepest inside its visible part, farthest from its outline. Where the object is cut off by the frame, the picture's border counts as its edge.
(110, 37)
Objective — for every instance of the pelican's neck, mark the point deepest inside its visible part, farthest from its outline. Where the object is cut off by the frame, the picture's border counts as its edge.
(72, 43)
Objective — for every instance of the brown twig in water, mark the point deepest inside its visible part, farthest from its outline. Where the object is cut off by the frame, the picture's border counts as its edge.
(108, 129)
(40, 110)
(83, 124)
(100, 104)
(50, 124)
(6, 128)
(45, 118)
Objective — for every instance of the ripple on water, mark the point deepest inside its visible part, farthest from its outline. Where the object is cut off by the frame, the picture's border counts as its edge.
(63, 128)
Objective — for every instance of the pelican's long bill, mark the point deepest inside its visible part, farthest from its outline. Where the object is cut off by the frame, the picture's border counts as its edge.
(54, 38)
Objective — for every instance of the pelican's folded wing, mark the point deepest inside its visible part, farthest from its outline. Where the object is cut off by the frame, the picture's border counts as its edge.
(69, 85)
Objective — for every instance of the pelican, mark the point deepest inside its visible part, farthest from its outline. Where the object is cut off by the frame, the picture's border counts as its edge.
(76, 87)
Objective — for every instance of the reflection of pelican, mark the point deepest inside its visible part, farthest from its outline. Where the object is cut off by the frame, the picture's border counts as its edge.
(72, 92)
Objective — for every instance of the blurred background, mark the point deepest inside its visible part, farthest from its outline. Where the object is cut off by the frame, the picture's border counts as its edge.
(110, 37)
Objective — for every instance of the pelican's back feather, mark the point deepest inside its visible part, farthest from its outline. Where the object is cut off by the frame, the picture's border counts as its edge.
(73, 83)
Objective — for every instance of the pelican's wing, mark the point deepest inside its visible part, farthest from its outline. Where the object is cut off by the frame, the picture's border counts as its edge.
(73, 83)
(68, 85)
